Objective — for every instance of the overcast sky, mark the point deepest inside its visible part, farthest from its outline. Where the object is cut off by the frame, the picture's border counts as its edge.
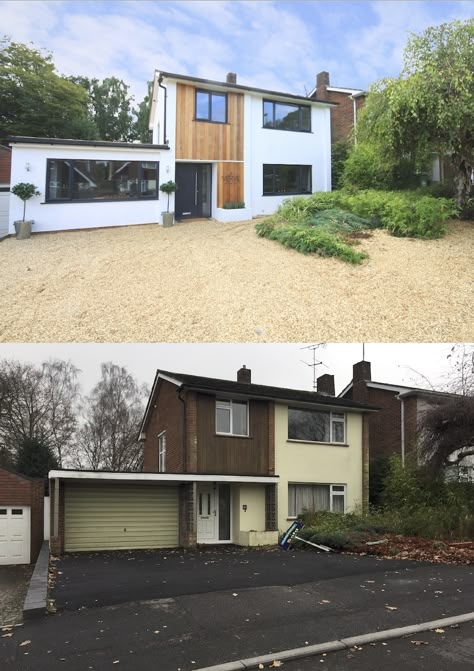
(274, 45)
(284, 365)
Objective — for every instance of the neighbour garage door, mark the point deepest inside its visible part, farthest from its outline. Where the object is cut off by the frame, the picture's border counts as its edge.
(119, 517)
(14, 535)
(4, 202)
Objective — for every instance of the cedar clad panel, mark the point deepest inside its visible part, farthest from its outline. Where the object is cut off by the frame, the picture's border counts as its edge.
(205, 141)
(230, 183)
(232, 455)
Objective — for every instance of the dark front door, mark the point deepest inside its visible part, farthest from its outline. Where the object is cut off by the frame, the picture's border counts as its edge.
(193, 192)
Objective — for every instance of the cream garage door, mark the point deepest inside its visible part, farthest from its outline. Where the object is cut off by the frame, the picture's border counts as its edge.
(120, 517)
(14, 535)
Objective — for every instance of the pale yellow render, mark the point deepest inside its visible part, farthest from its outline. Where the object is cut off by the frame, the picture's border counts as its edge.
(317, 463)
(248, 516)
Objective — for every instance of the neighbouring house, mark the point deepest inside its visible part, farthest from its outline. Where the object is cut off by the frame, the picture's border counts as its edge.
(395, 429)
(234, 151)
(344, 114)
(224, 462)
(21, 517)
(5, 168)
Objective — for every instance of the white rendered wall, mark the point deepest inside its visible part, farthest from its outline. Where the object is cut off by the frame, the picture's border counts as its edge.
(267, 145)
(72, 215)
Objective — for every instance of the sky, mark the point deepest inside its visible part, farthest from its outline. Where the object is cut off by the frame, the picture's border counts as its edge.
(283, 365)
(269, 44)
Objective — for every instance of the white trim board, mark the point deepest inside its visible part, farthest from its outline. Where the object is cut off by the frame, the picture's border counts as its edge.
(160, 477)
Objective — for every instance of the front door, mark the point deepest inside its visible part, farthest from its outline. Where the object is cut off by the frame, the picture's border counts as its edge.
(193, 192)
(206, 514)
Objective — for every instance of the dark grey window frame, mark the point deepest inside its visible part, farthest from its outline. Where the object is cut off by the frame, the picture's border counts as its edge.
(288, 104)
(70, 199)
(266, 166)
(209, 118)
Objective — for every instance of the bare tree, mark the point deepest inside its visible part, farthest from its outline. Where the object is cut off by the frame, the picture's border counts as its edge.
(447, 434)
(38, 403)
(108, 437)
(461, 377)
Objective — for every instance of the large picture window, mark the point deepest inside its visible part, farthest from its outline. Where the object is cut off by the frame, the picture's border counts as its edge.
(232, 417)
(312, 497)
(211, 106)
(86, 180)
(286, 179)
(286, 116)
(316, 426)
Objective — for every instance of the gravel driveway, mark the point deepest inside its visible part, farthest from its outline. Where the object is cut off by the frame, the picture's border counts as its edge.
(14, 581)
(206, 282)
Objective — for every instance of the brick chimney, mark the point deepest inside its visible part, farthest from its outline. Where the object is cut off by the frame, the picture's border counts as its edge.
(325, 385)
(244, 375)
(361, 374)
(322, 82)
(231, 78)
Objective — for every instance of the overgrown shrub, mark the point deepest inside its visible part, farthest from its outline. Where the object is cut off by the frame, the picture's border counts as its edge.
(339, 154)
(309, 240)
(364, 169)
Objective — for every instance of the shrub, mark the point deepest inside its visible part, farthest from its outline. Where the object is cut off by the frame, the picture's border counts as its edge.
(339, 154)
(234, 205)
(310, 240)
(364, 169)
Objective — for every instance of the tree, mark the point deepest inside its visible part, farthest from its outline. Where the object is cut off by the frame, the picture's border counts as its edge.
(430, 106)
(35, 458)
(142, 131)
(108, 438)
(447, 434)
(35, 100)
(110, 107)
(38, 403)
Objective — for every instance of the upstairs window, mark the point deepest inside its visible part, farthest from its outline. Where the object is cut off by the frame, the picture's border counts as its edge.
(162, 452)
(81, 179)
(232, 417)
(211, 106)
(286, 116)
(316, 426)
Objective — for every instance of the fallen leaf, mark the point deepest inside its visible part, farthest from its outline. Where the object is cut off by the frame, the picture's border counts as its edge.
(275, 664)
(324, 601)
(391, 607)
(235, 594)
(7, 628)
(419, 642)
(116, 661)
(25, 643)
(7, 635)
(439, 631)
(157, 631)
(260, 666)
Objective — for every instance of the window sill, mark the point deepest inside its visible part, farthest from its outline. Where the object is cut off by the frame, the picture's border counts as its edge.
(288, 193)
(232, 435)
(221, 123)
(316, 442)
(289, 130)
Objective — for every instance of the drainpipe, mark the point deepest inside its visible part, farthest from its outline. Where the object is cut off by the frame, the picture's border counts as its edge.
(354, 103)
(184, 430)
(402, 430)
(160, 79)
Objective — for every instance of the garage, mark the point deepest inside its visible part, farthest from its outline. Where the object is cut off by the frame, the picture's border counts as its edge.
(4, 204)
(119, 516)
(14, 535)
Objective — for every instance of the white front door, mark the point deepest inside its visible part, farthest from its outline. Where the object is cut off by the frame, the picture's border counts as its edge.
(207, 514)
(14, 535)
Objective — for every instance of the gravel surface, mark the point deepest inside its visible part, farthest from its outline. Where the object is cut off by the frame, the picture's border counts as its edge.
(212, 282)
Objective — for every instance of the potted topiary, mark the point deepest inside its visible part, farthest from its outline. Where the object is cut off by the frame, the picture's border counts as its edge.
(168, 217)
(24, 191)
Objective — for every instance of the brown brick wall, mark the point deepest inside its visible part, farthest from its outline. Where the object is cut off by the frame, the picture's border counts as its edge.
(16, 490)
(5, 165)
(411, 425)
(167, 416)
(187, 515)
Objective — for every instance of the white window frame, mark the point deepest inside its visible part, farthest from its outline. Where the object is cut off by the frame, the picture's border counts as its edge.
(332, 493)
(334, 417)
(162, 452)
(224, 404)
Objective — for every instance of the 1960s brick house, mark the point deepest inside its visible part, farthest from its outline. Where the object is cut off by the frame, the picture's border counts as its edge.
(224, 461)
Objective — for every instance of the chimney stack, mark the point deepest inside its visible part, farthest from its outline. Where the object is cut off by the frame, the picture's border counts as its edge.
(325, 385)
(231, 78)
(361, 372)
(244, 375)
(322, 82)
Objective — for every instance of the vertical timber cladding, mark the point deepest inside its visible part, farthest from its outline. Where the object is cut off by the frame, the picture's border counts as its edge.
(230, 183)
(105, 516)
(204, 140)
